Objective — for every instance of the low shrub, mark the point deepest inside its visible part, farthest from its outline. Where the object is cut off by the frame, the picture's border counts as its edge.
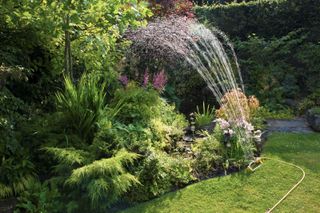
(310, 101)
(160, 173)
(208, 156)
(315, 110)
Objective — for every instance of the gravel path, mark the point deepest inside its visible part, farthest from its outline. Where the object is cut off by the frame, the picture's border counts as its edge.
(298, 125)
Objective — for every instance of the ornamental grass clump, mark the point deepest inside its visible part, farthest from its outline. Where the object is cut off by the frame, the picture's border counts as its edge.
(204, 116)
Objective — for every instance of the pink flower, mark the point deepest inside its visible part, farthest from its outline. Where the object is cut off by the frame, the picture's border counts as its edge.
(145, 78)
(124, 80)
(160, 80)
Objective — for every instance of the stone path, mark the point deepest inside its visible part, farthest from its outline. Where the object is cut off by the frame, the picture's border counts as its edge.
(298, 125)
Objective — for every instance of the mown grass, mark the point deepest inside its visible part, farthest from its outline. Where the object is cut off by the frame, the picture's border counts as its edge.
(258, 191)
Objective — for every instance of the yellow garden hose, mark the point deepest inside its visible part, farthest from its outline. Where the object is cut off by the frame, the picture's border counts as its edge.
(259, 161)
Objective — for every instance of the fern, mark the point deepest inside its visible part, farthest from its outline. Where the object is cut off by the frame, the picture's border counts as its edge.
(5, 191)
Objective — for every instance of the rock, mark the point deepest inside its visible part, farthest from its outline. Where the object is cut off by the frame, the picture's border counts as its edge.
(313, 120)
(188, 138)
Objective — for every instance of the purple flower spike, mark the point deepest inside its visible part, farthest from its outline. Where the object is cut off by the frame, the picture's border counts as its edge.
(124, 80)
(160, 80)
(145, 78)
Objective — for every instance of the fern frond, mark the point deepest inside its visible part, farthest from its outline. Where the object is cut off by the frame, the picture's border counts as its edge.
(22, 184)
(5, 191)
(69, 156)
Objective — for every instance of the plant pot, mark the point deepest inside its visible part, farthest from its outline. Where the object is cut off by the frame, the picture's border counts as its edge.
(8, 205)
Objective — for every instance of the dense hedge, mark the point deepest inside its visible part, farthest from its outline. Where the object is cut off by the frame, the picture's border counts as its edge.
(263, 18)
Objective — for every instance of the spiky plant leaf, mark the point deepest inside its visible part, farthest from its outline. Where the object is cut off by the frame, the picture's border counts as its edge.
(82, 104)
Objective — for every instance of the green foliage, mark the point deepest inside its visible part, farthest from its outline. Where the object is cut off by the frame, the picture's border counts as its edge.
(208, 152)
(145, 119)
(104, 180)
(205, 116)
(90, 25)
(16, 168)
(275, 70)
(310, 101)
(315, 110)
(266, 113)
(138, 104)
(158, 174)
(82, 105)
(39, 198)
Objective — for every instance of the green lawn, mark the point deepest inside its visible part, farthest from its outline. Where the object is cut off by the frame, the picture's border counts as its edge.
(258, 191)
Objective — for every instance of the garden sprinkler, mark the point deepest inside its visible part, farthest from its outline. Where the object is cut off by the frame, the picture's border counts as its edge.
(255, 164)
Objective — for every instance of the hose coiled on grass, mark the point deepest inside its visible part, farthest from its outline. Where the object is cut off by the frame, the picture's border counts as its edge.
(259, 160)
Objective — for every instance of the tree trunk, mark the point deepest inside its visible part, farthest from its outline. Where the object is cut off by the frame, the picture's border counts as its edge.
(67, 50)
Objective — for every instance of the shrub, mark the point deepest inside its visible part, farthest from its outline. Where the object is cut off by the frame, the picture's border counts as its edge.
(160, 173)
(172, 7)
(39, 197)
(208, 155)
(138, 104)
(145, 119)
(104, 180)
(315, 110)
(310, 101)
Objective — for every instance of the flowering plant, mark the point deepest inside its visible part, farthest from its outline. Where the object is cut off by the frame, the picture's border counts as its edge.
(239, 138)
(124, 80)
(159, 80)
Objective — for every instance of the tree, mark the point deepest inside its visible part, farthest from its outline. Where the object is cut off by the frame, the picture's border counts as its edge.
(82, 35)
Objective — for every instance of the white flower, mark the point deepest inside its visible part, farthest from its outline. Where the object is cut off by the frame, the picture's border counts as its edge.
(257, 135)
(228, 132)
(231, 132)
(223, 123)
